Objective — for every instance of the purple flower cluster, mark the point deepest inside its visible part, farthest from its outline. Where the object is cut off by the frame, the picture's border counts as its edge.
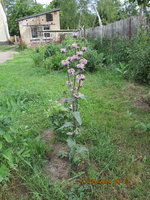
(80, 53)
(76, 65)
(75, 35)
(74, 45)
(79, 95)
(80, 66)
(75, 57)
(69, 58)
(65, 62)
(63, 50)
(71, 71)
(80, 77)
(83, 61)
(69, 83)
(84, 48)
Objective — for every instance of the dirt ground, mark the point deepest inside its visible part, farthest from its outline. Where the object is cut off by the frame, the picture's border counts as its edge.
(7, 55)
(55, 167)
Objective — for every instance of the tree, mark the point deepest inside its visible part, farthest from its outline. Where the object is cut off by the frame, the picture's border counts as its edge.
(127, 9)
(55, 4)
(20, 8)
(74, 13)
(68, 11)
(86, 18)
(82, 10)
(143, 4)
(108, 10)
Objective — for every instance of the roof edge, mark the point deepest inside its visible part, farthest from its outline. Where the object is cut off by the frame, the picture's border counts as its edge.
(38, 14)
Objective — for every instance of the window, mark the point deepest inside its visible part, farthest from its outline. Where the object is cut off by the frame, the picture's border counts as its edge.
(46, 35)
(34, 32)
(46, 27)
(49, 17)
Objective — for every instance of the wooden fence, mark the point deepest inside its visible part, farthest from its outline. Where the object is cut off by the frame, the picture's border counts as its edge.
(123, 28)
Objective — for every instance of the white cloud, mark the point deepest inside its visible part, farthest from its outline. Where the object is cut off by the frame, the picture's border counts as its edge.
(44, 1)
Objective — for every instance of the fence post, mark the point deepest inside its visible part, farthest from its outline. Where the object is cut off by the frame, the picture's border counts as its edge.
(130, 28)
(84, 32)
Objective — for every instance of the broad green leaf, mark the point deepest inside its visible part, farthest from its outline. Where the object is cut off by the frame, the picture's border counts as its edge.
(66, 125)
(2, 132)
(82, 150)
(8, 155)
(77, 117)
(70, 133)
(26, 154)
(1, 145)
(71, 143)
(4, 172)
(8, 138)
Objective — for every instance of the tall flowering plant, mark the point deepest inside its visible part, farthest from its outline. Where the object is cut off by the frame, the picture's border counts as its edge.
(75, 67)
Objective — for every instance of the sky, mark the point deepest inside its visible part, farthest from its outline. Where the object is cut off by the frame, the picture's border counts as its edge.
(48, 1)
(44, 1)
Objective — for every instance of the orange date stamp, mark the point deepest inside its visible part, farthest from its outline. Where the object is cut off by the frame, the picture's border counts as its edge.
(104, 181)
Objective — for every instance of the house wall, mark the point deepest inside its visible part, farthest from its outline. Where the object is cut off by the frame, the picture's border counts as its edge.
(25, 29)
(4, 33)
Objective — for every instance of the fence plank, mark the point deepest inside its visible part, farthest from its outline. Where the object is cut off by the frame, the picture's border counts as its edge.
(123, 28)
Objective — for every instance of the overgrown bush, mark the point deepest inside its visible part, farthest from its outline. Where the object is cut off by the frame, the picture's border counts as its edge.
(51, 49)
(139, 58)
(134, 54)
(67, 40)
(42, 55)
(114, 49)
(59, 115)
(38, 56)
(49, 56)
(95, 60)
(54, 62)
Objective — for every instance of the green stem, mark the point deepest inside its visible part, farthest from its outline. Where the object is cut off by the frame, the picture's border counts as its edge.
(74, 84)
(79, 86)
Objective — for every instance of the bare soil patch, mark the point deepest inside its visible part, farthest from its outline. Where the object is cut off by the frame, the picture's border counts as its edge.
(142, 103)
(15, 191)
(134, 90)
(138, 95)
(56, 168)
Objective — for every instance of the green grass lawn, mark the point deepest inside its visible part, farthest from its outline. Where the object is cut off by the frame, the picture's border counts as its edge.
(112, 130)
